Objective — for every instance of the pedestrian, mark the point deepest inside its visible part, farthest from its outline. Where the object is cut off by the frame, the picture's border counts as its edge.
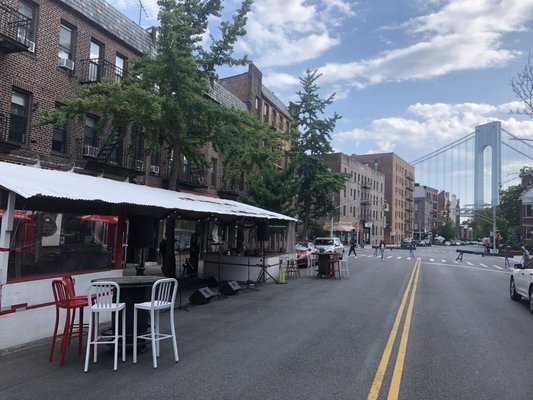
(382, 248)
(162, 254)
(353, 245)
(525, 257)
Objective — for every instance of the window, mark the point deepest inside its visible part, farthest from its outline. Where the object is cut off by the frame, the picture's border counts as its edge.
(59, 137)
(274, 118)
(138, 150)
(66, 42)
(26, 32)
(528, 211)
(120, 67)
(213, 172)
(95, 63)
(90, 131)
(117, 145)
(265, 113)
(19, 116)
(257, 107)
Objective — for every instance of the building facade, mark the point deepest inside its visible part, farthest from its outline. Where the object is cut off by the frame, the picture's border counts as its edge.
(425, 215)
(399, 193)
(360, 203)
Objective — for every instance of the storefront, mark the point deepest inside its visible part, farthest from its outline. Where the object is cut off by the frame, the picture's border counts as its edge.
(56, 222)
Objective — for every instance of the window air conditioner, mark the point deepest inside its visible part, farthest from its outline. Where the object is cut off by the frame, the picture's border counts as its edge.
(139, 165)
(154, 169)
(90, 151)
(31, 46)
(65, 63)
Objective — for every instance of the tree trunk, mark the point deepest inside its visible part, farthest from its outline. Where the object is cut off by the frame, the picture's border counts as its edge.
(170, 256)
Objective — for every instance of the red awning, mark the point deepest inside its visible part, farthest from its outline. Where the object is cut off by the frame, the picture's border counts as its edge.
(18, 215)
(108, 219)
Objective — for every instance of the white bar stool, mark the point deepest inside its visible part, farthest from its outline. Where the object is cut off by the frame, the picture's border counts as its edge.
(163, 298)
(104, 297)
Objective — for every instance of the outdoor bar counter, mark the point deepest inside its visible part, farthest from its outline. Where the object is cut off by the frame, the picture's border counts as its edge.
(241, 268)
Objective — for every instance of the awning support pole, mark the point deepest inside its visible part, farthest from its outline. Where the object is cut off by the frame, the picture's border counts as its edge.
(5, 236)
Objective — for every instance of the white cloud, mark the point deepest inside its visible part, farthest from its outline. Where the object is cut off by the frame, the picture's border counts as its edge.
(430, 126)
(462, 35)
(287, 32)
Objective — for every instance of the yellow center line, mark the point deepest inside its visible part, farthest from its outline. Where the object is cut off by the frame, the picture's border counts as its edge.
(394, 390)
(382, 368)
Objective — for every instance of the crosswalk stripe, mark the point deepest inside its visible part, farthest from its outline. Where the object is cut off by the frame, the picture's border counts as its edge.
(483, 265)
(469, 263)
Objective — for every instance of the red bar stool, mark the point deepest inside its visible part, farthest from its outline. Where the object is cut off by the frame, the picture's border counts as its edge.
(65, 298)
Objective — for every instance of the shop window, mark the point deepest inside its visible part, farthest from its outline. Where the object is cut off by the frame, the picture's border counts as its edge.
(50, 243)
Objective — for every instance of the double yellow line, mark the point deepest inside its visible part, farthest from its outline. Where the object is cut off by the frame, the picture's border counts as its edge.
(394, 389)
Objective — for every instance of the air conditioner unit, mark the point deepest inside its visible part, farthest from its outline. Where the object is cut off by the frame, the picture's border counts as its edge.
(90, 151)
(65, 63)
(154, 169)
(139, 165)
(31, 46)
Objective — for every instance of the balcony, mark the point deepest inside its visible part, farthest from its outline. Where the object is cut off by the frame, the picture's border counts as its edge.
(193, 177)
(231, 189)
(95, 69)
(13, 29)
(110, 157)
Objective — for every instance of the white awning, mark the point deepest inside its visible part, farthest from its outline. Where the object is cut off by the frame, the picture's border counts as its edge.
(42, 189)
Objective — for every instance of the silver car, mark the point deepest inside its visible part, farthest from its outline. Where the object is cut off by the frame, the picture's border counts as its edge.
(329, 245)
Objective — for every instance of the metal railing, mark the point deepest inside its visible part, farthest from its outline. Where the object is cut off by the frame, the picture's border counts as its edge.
(14, 26)
(95, 69)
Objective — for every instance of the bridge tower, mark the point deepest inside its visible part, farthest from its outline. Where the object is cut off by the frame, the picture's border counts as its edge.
(487, 135)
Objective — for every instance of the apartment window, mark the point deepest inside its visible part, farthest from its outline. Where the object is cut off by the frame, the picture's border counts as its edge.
(117, 145)
(66, 42)
(155, 161)
(266, 112)
(528, 210)
(19, 116)
(90, 131)
(95, 62)
(120, 67)
(26, 32)
(213, 172)
(59, 136)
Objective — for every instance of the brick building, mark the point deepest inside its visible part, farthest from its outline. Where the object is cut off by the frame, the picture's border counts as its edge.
(399, 191)
(426, 212)
(56, 46)
(360, 203)
(260, 101)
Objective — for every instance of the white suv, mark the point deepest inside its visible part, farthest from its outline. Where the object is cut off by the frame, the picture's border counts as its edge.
(521, 284)
(328, 245)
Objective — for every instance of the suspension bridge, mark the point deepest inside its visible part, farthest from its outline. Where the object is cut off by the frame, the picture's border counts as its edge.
(477, 166)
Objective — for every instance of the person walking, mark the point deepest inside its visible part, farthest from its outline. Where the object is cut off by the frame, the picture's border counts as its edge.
(525, 257)
(353, 245)
(382, 248)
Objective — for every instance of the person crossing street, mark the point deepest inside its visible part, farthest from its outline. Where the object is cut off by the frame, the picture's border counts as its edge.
(353, 244)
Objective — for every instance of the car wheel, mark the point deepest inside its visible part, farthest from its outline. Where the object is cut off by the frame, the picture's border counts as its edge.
(512, 289)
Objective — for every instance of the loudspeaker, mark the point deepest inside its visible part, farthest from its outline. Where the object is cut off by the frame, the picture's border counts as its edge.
(201, 296)
(262, 231)
(229, 288)
(142, 232)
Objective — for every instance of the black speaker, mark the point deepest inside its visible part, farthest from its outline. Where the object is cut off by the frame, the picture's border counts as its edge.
(229, 288)
(262, 231)
(142, 232)
(201, 296)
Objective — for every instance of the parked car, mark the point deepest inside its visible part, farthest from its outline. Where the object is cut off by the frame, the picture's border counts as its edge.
(303, 251)
(328, 245)
(521, 283)
(425, 243)
(408, 242)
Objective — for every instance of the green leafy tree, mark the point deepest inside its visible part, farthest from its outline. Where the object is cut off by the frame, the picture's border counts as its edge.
(447, 231)
(313, 181)
(509, 207)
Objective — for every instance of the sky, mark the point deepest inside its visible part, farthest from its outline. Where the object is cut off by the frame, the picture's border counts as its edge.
(408, 76)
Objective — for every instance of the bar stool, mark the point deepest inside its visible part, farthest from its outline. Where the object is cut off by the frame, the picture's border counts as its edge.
(65, 299)
(163, 298)
(343, 267)
(105, 298)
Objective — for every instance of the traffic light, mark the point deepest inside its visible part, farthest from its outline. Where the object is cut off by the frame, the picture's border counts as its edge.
(445, 214)
(386, 207)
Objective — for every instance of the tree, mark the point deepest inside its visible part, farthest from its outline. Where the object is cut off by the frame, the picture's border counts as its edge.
(313, 181)
(447, 230)
(522, 86)
(509, 207)
(166, 97)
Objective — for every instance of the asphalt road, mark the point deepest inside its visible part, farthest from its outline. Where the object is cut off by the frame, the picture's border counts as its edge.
(458, 336)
